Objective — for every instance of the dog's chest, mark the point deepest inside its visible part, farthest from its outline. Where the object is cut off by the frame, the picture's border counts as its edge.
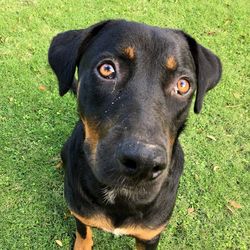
(104, 223)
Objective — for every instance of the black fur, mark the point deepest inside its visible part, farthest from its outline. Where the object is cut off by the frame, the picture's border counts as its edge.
(150, 244)
(135, 115)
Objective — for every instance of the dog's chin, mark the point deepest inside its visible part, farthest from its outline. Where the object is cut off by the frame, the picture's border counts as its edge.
(140, 194)
(135, 196)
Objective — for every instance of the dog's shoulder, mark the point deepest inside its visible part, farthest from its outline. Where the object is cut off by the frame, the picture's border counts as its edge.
(73, 145)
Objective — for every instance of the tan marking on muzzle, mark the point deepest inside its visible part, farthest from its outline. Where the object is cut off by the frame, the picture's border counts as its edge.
(91, 133)
(170, 143)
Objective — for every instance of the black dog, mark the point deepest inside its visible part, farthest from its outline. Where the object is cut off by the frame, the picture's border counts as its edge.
(123, 160)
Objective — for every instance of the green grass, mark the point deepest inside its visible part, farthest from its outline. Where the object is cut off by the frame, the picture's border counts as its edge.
(34, 125)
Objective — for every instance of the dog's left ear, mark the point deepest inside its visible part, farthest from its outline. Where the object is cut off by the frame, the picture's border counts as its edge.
(208, 70)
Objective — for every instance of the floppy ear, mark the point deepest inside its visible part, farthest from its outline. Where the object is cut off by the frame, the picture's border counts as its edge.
(208, 70)
(65, 51)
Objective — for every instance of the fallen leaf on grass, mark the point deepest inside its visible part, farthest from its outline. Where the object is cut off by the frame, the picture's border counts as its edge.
(42, 88)
(216, 168)
(237, 95)
(211, 137)
(234, 204)
(59, 165)
(190, 210)
(59, 243)
(211, 33)
(230, 209)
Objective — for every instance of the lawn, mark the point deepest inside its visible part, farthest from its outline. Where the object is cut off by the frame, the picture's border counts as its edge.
(212, 208)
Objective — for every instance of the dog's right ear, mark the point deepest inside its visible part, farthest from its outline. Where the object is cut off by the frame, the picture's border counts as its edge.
(65, 51)
(208, 70)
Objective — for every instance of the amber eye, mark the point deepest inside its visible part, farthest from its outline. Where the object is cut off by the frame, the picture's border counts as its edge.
(183, 86)
(107, 71)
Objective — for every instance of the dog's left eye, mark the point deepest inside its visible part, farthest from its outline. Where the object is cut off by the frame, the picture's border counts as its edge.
(183, 87)
(107, 71)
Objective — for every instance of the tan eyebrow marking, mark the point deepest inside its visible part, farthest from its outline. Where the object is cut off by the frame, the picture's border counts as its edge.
(129, 52)
(171, 63)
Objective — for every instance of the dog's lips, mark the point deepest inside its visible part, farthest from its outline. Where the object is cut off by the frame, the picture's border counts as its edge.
(156, 174)
(137, 183)
(141, 192)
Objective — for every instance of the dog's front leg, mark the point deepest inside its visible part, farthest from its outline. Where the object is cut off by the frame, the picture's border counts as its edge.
(147, 244)
(83, 237)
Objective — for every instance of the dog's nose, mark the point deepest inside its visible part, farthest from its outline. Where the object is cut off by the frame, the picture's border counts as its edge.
(138, 158)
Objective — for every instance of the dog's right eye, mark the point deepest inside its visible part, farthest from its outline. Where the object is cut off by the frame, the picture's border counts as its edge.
(107, 71)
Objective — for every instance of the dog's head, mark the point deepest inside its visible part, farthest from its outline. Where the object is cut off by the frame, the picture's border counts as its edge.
(135, 86)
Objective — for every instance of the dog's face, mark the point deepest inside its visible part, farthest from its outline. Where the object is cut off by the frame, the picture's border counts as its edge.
(135, 87)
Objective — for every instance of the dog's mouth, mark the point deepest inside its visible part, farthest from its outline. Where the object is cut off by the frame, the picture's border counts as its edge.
(133, 190)
(139, 195)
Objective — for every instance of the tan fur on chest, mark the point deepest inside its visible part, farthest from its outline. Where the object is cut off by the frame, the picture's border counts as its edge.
(104, 223)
